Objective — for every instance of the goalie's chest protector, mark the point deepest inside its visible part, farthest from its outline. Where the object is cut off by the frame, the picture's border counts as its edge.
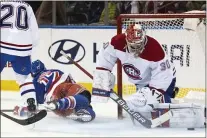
(139, 69)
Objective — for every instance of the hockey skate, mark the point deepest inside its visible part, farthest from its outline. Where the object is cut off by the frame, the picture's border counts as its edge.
(82, 115)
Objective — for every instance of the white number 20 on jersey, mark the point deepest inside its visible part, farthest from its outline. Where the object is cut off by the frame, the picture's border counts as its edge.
(8, 12)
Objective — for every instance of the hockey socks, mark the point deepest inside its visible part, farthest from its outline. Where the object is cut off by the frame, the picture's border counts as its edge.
(71, 102)
(81, 105)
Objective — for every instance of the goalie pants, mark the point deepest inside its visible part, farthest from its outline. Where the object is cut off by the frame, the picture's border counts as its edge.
(170, 93)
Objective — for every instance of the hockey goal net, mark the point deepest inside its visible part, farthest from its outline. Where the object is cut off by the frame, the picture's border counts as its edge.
(183, 38)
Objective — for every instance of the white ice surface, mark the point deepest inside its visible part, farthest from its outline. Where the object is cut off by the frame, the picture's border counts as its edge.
(106, 124)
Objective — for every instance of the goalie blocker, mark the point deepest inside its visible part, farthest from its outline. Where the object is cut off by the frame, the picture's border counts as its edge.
(103, 82)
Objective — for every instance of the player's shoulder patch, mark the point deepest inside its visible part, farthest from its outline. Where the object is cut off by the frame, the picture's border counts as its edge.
(119, 42)
(153, 50)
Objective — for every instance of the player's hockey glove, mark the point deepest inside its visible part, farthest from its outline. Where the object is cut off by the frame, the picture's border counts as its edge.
(103, 82)
(26, 111)
(61, 104)
(53, 105)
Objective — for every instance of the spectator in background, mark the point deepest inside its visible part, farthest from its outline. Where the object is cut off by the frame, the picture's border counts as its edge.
(44, 13)
(78, 12)
(115, 8)
(96, 9)
(194, 5)
(135, 8)
(180, 7)
(162, 7)
(148, 6)
(35, 5)
(112, 13)
(203, 7)
(138, 6)
(84, 12)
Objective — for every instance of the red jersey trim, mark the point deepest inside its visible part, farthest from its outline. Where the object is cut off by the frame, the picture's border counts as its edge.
(101, 68)
(16, 45)
(28, 83)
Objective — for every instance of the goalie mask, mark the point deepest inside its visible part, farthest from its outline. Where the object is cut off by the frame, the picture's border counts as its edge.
(136, 39)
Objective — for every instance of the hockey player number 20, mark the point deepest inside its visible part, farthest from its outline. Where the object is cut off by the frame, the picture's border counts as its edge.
(20, 19)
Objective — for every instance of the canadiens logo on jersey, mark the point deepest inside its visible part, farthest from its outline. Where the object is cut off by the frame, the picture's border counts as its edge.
(131, 71)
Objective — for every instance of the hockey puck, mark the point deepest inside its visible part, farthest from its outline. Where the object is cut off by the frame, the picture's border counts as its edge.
(191, 128)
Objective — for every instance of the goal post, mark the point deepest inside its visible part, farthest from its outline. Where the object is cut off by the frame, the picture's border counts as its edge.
(182, 37)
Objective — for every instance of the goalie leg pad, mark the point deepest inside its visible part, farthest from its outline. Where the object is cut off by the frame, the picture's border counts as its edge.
(188, 118)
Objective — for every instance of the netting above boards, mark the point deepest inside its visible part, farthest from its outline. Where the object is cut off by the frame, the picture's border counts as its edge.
(155, 23)
(160, 23)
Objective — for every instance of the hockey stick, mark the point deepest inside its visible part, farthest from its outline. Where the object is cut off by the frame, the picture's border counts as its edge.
(77, 65)
(174, 106)
(72, 116)
(35, 118)
(40, 107)
(7, 110)
(121, 102)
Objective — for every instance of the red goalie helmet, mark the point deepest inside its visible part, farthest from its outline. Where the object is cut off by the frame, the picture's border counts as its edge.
(136, 39)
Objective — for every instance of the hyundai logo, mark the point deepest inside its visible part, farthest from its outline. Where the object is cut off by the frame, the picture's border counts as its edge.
(72, 48)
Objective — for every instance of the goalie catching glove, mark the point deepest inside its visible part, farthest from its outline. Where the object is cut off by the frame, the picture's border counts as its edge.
(140, 100)
(103, 82)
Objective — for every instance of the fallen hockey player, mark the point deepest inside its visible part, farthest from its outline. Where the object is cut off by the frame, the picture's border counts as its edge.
(56, 91)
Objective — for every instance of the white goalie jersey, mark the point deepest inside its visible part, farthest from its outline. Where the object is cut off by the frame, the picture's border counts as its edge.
(152, 67)
(19, 29)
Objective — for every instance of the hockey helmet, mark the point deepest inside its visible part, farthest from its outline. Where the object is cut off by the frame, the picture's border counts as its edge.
(136, 39)
(37, 67)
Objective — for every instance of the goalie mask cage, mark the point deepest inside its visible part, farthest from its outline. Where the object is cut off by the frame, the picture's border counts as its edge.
(182, 37)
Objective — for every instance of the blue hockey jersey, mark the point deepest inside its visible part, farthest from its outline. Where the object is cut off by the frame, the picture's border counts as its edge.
(45, 82)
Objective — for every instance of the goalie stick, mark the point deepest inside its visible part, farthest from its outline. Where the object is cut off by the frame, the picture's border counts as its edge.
(121, 102)
(174, 106)
(138, 116)
(33, 119)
